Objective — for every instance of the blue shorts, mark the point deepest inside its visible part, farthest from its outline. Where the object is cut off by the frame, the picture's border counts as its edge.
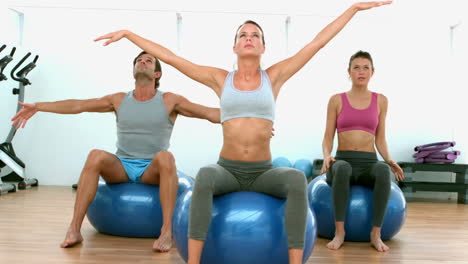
(135, 168)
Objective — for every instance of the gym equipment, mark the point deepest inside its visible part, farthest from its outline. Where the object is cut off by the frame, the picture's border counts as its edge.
(5, 187)
(440, 154)
(281, 162)
(436, 145)
(130, 209)
(246, 227)
(305, 166)
(433, 153)
(8, 156)
(410, 184)
(4, 62)
(358, 223)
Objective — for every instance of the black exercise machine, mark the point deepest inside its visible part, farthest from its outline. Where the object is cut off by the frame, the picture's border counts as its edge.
(7, 153)
(6, 187)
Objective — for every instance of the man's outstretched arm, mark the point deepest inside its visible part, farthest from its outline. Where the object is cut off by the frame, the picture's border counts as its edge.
(72, 106)
(186, 108)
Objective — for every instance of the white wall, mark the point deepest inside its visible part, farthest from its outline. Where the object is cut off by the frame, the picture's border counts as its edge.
(409, 41)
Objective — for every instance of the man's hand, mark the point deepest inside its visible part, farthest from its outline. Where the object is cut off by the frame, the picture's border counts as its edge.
(22, 117)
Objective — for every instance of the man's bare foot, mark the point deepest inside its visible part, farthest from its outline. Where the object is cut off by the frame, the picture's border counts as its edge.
(163, 243)
(377, 243)
(72, 238)
(336, 242)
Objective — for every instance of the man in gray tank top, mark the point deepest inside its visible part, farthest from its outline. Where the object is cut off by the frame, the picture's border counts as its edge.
(145, 118)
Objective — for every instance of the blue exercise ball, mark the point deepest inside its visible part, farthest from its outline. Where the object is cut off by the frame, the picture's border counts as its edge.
(130, 209)
(304, 165)
(246, 227)
(358, 222)
(281, 162)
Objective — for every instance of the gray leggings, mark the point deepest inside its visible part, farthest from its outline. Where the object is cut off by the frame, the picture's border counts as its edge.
(231, 176)
(362, 168)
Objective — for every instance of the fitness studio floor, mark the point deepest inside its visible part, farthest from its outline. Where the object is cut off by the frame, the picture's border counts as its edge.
(33, 222)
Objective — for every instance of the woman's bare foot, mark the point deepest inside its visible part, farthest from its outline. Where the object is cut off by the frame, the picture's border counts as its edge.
(377, 242)
(163, 243)
(72, 238)
(337, 241)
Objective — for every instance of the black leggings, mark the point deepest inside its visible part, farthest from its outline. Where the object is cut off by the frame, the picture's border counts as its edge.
(231, 176)
(361, 168)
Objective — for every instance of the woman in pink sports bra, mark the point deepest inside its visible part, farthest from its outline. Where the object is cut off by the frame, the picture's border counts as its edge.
(358, 116)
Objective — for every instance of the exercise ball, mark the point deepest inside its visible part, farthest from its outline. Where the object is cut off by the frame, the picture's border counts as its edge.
(281, 162)
(246, 227)
(305, 166)
(358, 222)
(130, 209)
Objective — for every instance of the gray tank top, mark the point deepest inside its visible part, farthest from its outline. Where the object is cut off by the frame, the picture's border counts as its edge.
(259, 103)
(143, 128)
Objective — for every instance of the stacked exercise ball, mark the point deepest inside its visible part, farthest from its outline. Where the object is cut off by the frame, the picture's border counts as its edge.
(130, 209)
(303, 165)
(281, 162)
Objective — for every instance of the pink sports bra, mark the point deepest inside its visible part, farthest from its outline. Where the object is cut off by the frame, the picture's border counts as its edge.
(358, 119)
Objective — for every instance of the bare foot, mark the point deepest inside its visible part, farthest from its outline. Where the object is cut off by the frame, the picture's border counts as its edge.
(72, 238)
(163, 243)
(336, 242)
(377, 243)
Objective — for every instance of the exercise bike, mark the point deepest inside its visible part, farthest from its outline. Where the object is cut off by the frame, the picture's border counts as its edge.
(6, 187)
(8, 156)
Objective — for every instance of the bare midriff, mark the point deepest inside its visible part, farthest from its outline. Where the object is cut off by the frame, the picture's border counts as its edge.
(247, 139)
(356, 140)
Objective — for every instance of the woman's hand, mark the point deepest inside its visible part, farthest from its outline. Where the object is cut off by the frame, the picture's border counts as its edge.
(327, 164)
(112, 37)
(368, 5)
(396, 170)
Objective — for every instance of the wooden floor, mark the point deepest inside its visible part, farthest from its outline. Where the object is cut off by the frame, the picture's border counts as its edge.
(33, 223)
